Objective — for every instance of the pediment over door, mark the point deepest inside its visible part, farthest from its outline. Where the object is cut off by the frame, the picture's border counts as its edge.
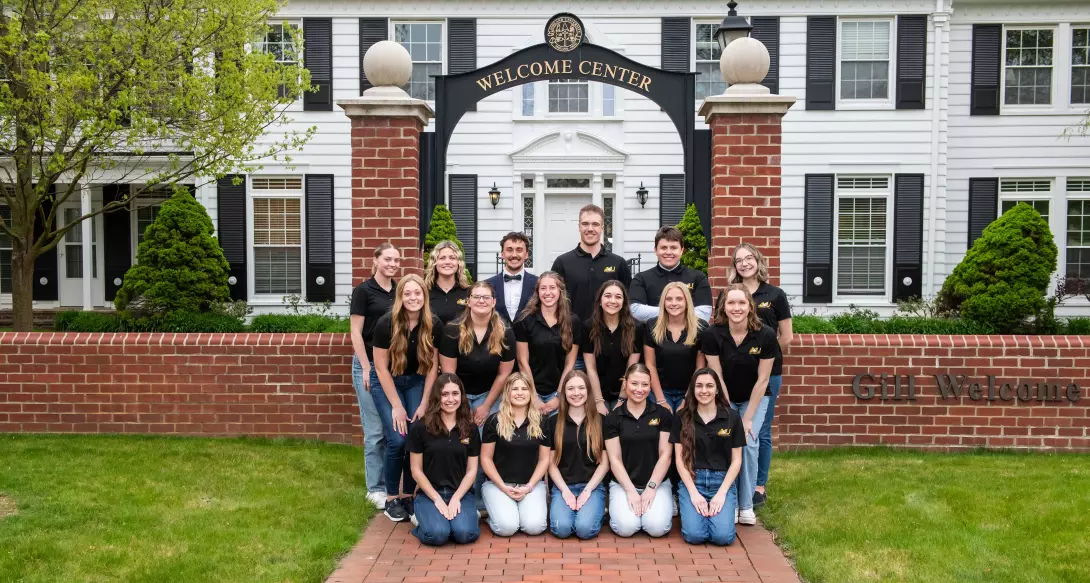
(568, 149)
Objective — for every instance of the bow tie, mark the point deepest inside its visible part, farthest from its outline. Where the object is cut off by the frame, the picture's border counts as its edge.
(507, 278)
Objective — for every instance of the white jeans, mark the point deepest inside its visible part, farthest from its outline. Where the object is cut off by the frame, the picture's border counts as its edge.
(656, 521)
(506, 517)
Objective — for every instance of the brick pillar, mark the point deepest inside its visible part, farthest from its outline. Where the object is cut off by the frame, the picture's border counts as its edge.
(385, 179)
(746, 142)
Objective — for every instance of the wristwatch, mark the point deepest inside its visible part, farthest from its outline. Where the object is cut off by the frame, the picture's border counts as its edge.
(652, 485)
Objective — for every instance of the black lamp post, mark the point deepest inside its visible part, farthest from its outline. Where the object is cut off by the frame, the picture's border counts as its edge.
(494, 195)
(732, 28)
(641, 195)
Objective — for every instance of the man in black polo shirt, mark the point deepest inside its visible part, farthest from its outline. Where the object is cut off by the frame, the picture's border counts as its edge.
(589, 265)
(646, 289)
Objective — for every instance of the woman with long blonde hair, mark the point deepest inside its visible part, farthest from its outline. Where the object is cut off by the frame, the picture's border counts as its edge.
(548, 336)
(578, 463)
(672, 345)
(406, 364)
(514, 458)
(446, 280)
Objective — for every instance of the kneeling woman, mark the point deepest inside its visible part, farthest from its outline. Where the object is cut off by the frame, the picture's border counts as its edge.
(514, 458)
(579, 463)
(637, 438)
(443, 453)
(708, 438)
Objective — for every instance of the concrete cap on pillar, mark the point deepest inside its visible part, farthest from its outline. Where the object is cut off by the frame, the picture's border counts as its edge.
(387, 66)
(744, 64)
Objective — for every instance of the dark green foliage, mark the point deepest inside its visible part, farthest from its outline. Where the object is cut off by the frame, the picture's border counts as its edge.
(283, 323)
(178, 322)
(1079, 326)
(75, 321)
(339, 326)
(856, 321)
(180, 265)
(936, 326)
(442, 229)
(812, 325)
(1003, 278)
(696, 245)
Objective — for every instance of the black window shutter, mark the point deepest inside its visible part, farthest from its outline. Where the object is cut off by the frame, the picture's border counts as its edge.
(320, 263)
(911, 61)
(817, 270)
(821, 62)
(907, 236)
(232, 231)
(767, 30)
(676, 44)
(702, 177)
(463, 209)
(987, 50)
(117, 247)
(462, 47)
(671, 199)
(45, 266)
(983, 206)
(372, 30)
(428, 195)
(318, 59)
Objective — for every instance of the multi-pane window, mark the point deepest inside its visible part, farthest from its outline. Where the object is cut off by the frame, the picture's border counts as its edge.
(528, 224)
(709, 81)
(5, 252)
(607, 206)
(1078, 231)
(528, 99)
(567, 182)
(1036, 193)
(424, 41)
(609, 100)
(1080, 65)
(278, 235)
(864, 59)
(1028, 67)
(73, 246)
(145, 216)
(862, 224)
(569, 96)
(279, 41)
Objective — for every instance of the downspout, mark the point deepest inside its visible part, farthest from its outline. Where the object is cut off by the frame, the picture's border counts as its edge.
(939, 18)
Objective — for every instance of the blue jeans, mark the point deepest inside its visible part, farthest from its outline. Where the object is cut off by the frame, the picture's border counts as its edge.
(675, 397)
(764, 455)
(474, 402)
(747, 478)
(374, 442)
(585, 522)
(549, 397)
(718, 529)
(434, 529)
(410, 389)
(580, 364)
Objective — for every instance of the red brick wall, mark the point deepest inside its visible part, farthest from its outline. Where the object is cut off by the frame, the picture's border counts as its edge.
(818, 407)
(276, 385)
(745, 190)
(385, 191)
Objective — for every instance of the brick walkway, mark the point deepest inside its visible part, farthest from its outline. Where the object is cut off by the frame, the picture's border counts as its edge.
(387, 553)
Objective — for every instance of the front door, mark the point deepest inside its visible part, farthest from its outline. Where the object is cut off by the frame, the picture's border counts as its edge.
(70, 256)
(561, 232)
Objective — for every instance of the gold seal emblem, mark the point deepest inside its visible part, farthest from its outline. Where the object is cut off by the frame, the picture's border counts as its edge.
(564, 32)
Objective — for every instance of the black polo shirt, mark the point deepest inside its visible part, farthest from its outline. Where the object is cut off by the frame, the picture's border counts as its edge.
(516, 459)
(372, 302)
(583, 275)
(445, 456)
(383, 330)
(610, 362)
(575, 466)
(477, 369)
(448, 305)
(714, 440)
(739, 362)
(546, 350)
(639, 438)
(647, 286)
(772, 307)
(674, 361)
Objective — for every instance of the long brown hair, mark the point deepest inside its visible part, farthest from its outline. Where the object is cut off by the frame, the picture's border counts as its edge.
(720, 317)
(399, 331)
(563, 309)
(591, 426)
(663, 320)
(505, 418)
(762, 264)
(686, 414)
(496, 330)
(624, 318)
(433, 413)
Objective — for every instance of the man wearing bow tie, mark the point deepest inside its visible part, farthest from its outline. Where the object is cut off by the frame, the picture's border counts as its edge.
(514, 286)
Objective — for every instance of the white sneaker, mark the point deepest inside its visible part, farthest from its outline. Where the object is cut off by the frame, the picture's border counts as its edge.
(735, 516)
(747, 517)
(377, 498)
(412, 517)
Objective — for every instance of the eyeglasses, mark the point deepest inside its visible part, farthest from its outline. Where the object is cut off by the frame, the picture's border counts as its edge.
(480, 298)
(746, 259)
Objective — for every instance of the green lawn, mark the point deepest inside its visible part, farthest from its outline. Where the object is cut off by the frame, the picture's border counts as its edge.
(859, 515)
(157, 509)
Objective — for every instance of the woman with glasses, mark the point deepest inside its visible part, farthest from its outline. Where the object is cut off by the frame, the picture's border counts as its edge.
(547, 336)
(614, 342)
(751, 270)
(446, 280)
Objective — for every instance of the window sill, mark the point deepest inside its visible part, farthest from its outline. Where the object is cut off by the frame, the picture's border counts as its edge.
(864, 105)
(270, 301)
(566, 118)
(1044, 110)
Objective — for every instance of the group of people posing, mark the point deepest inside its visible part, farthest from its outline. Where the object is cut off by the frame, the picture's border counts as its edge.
(541, 400)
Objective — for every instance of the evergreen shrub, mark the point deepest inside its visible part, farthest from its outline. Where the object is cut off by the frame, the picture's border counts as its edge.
(696, 244)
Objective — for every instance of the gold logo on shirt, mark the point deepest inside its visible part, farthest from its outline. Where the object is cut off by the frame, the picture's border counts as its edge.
(611, 269)
(465, 441)
(461, 302)
(764, 305)
(724, 432)
(690, 286)
(755, 350)
(654, 422)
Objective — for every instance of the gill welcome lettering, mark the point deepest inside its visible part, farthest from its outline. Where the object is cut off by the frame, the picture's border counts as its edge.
(542, 69)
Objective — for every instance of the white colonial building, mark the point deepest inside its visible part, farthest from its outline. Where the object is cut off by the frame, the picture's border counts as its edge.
(973, 103)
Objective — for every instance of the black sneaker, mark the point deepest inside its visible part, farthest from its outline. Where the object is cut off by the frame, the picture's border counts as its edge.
(409, 506)
(395, 511)
(759, 498)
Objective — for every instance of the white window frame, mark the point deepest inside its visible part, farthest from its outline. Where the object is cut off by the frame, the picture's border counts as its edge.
(886, 194)
(1061, 241)
(1034, 196)
(1071, 64)
(888, 101)
(252, 194)
(137, 204)
(570, 83)
(392, 35)
(693, 61)
(295, 23)
(1053, 103)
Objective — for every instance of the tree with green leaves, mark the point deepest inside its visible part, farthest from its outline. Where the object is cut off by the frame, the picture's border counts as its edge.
(696, 245)
(442, 228)
(130, 91)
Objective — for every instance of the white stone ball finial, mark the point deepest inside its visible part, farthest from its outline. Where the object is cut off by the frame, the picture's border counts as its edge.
(388, 67)
(744, 64)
